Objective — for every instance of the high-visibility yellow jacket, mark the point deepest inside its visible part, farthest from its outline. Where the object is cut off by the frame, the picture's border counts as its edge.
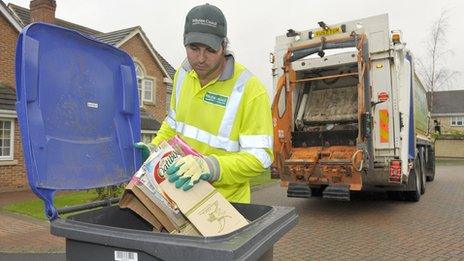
(228, 120)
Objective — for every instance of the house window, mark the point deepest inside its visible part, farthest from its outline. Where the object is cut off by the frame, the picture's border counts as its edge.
(6, 139)
(148, 90)
(145, 85)
(457, 121)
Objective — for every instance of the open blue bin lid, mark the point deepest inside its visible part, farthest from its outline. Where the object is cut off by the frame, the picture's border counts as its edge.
(78, 111)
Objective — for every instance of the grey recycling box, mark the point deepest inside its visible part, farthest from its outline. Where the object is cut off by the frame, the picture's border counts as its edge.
(112, 233)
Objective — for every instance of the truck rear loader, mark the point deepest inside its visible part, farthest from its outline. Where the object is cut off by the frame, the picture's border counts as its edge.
(349, 112)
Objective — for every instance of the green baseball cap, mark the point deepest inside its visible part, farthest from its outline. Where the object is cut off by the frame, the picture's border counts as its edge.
(205, 24)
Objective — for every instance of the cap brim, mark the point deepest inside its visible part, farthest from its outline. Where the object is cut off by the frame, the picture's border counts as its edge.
(210, 40)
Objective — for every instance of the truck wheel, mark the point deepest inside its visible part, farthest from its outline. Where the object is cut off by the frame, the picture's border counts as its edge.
(415, 180)
(423, 170)
(431, 170)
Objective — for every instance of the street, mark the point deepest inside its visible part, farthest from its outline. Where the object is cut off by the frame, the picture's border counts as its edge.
(369, 227)
(373, 227)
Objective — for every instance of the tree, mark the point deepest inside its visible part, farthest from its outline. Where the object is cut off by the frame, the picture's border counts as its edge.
(433, 67)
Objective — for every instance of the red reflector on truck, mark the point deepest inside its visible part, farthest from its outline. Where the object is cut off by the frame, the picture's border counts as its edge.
(395, 171)
(382, 96)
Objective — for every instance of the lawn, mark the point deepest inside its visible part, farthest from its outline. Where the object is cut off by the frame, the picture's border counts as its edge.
(35, 208)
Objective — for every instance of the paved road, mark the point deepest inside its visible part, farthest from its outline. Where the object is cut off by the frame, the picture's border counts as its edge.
(374, 228)
(369, 227)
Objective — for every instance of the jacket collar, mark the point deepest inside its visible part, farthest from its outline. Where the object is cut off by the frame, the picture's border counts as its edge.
(227, 72)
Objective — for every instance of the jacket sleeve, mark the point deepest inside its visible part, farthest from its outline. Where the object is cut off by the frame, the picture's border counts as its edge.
(164, 133)
(255, 138)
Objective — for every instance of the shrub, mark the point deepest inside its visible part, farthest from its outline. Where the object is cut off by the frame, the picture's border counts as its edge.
(110, 191)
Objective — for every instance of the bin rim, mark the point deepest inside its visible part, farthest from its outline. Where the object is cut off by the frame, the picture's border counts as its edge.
(246, 243)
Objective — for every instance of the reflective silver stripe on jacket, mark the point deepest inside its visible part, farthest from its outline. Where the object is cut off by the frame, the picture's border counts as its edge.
(253, 144)
(171, 118)
(261, 155)
(233, 103)
(256, 141)
(179, 83)
(206, 137)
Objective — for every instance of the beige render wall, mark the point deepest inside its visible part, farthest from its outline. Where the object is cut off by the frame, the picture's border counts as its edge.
(446, 128)
(449, 147)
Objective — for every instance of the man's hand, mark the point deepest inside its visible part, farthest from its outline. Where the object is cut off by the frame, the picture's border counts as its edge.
(145, 149)
(187, 171)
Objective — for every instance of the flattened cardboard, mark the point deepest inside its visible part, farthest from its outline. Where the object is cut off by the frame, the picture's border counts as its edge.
(206, 208)
(145, 187)
(189, 230)
(129, 200)
(134, 187)
(156, 207)
(169, 209)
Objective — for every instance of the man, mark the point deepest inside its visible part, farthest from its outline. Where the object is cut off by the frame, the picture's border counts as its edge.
(437, 126)
(220, 109)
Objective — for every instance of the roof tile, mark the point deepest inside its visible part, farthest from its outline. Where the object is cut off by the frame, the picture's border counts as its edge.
(448, 102)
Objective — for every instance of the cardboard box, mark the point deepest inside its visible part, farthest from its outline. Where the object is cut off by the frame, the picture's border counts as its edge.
(129, 200)
(205, 208)
(145, 197)
(158, 208)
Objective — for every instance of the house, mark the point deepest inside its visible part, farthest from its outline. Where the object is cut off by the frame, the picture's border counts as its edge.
(154, 77)
(448, 111)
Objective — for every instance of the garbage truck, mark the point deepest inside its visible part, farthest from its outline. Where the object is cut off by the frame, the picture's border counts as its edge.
(349, 112)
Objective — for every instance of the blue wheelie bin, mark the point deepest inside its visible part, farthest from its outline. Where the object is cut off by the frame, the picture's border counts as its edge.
(78, 111)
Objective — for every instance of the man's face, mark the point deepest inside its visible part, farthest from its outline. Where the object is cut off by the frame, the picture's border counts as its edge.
(205, 61)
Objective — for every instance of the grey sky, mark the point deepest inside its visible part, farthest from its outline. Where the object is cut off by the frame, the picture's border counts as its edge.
(253, 25)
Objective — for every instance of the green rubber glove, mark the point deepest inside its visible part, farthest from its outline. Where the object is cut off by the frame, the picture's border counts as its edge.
(187, 171)
(146, 149)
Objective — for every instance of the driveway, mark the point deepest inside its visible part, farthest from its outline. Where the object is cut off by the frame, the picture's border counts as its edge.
(375, 228)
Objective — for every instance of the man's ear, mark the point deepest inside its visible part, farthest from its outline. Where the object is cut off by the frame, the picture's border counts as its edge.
(224, 46)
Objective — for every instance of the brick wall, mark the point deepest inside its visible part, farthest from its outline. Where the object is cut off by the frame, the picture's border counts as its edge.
(8, 36)
(140, 52)
(13, 174)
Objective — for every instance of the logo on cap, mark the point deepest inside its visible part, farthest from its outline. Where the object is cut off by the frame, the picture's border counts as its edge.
(199, 21)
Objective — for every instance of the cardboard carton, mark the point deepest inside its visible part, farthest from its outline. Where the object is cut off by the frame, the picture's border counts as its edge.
(129, 200)
(205, 208)
(200, 211)
(145, 197)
